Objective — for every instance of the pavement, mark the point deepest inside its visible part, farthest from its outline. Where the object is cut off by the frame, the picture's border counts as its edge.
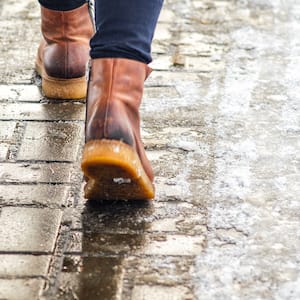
(221, 125)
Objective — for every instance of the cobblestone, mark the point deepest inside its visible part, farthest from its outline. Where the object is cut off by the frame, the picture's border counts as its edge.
(220, 122)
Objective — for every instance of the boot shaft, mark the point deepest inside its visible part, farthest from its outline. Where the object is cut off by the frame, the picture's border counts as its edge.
(115, 91)
(64, 50)
(66, 26)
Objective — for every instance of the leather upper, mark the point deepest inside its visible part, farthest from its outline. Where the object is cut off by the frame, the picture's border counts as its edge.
(115, 92)
(64, 49)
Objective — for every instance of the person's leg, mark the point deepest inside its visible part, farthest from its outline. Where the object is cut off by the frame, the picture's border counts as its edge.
(125, 28)
(64, 50)
(62, 5)
(114, 160)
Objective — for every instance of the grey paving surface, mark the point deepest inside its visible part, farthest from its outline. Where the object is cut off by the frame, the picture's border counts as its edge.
(221, 124)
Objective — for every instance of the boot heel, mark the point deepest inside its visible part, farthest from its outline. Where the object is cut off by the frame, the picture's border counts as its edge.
(58, 88)
(114, 172)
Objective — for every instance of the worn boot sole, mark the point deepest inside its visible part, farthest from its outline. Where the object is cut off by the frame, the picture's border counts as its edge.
(114, 172)
(60, 88)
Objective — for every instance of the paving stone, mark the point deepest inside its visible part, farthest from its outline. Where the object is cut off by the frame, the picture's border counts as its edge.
(161, 63)
(20, 92)
(174, 245)
(203, 49)
(87, 242)
(6, 134)
(160, 293)
(165, 77)
(13, 265)
(91, 278)
(173, 216)
(35, 173)
(160, 92)
(111, 276)
(166, 15)
(28, 229)
(34, 111)
(221, 126)
(159, 47)
(25, 289)
(51, 141)
(158, 270)
(39, 195)
(13, 9)
(199, 64)
(21, 55)
(162, 32)
(3, 150)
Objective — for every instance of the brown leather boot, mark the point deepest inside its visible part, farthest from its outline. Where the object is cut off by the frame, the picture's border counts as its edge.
(114, 160)
(64, 52)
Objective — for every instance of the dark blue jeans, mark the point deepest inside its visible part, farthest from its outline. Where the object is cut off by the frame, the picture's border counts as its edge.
(124, 29)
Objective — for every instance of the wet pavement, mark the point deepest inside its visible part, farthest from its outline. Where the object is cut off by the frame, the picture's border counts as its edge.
(221, 124)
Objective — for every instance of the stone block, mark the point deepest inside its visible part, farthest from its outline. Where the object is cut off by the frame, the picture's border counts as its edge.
(12, 265)
(148, 244)
(17, 289)
(51, 141)
(37, 173)
(146, 292)
(17, 59)
(28, 229)
(173, 245)
(6, 134)
(91, 278)
(65, 111)
(44, 195)
(20, 92)
(160, 92)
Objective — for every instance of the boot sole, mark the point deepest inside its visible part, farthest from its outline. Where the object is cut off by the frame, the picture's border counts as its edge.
(60, 88)
(114, 172)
